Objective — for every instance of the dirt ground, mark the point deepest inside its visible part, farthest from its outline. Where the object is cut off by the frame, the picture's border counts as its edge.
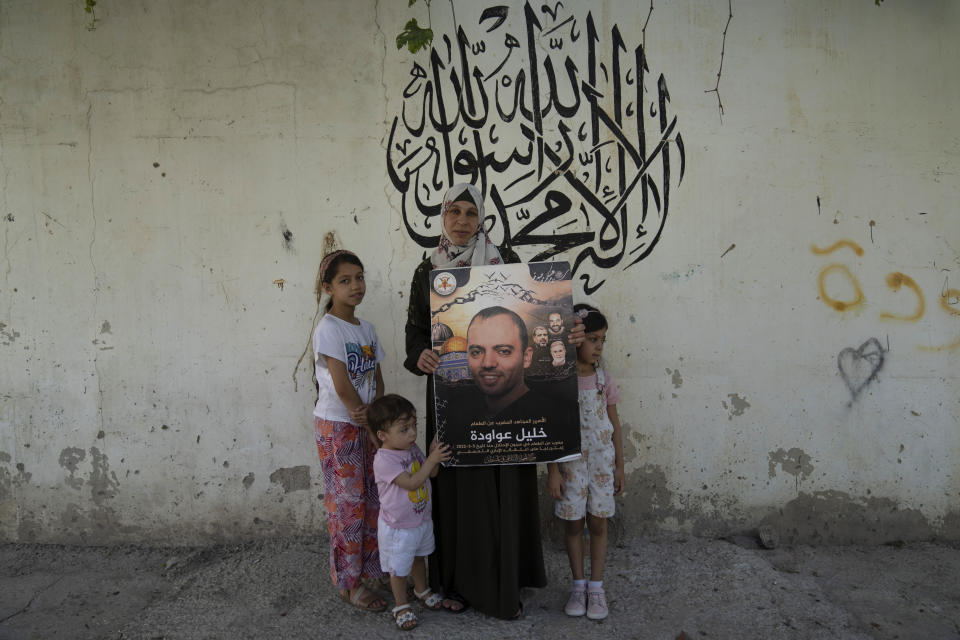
(658, 587)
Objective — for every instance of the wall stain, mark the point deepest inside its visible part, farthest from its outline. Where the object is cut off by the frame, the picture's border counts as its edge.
(105, 327)
(22, 474)
(6, 484)
(692, 270)
(69, 459)
(738, 405)
(292, 478)
(103, 482)
(8, 336)
(795, 462)
(248, 480)
(28, 530)
(651, 499)
(836, 517)
(675, 378)
(287, 237)
(629, 448)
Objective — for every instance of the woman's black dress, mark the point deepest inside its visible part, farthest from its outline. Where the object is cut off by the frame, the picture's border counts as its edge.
(486, 520)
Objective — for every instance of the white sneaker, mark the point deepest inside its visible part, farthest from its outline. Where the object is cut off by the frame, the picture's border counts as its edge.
(596, 604)
(577, 604)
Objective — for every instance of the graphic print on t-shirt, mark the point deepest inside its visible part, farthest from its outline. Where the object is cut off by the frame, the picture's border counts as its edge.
(361, 361)
(418, 496)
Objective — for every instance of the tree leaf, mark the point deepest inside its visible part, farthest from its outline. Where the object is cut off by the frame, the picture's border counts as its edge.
(414, 37)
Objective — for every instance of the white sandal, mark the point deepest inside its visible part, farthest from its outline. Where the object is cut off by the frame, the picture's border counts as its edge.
(404, 615)
(430, 599)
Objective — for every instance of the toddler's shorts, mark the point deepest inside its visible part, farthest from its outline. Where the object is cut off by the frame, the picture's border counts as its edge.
(398, 547)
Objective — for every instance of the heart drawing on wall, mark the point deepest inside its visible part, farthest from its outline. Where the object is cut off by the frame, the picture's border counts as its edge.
(858, 367)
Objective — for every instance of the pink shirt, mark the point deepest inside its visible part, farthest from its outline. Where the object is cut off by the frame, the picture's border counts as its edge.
(399, 508)
(610, 388)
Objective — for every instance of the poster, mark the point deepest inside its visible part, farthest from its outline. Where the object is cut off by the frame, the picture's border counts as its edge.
(506, 388)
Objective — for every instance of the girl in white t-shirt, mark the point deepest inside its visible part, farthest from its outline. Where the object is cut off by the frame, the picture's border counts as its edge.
(584, 488)
(346, 355)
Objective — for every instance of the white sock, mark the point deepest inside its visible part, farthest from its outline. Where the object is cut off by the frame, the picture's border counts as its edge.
(595, 585)
(579, 584)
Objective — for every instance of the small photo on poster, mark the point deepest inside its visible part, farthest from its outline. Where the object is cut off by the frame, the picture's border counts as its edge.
(506, 388)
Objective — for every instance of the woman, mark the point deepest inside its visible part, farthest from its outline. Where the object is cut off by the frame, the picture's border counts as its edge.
(486, 519)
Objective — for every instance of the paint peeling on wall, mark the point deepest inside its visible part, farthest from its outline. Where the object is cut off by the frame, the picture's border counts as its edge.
(70, 458)
(682, 275)
(292, 478)
(795, 462)
(9, 336)
(737, 405)
(675, 378)
(103, 482)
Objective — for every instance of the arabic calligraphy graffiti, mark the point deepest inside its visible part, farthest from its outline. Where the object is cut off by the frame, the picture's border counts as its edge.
(581, 162)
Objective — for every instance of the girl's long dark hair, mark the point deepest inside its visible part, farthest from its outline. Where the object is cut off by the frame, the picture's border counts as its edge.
(331, 272)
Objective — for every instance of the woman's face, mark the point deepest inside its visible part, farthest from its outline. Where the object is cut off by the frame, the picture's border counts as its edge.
(461, 222)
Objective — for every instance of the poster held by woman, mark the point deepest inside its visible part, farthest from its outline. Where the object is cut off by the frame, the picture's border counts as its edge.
(492, 406)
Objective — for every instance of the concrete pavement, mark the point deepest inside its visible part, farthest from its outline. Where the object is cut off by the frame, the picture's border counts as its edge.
(658, 587)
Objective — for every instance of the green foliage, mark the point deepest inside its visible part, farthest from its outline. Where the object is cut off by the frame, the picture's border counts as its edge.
(413, 36)
(88, 7)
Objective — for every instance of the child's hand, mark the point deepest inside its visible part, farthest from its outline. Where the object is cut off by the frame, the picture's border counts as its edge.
(578, 334)
(440, 453)
(359, 415)
(619, 481)
(433, 444)
(555, 485)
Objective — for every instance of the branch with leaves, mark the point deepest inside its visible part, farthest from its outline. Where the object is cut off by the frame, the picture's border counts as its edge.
(88, 7)
(414, 37)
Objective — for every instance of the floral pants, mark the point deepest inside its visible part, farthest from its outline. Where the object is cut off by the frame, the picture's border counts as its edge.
(350, 497)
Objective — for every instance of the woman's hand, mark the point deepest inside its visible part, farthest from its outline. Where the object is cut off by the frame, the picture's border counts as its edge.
(429, 361)
(577, 335)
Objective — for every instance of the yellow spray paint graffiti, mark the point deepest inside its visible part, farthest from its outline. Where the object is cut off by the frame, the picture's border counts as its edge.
(895, 281)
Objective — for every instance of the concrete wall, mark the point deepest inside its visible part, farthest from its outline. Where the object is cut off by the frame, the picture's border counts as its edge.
(170, 178)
